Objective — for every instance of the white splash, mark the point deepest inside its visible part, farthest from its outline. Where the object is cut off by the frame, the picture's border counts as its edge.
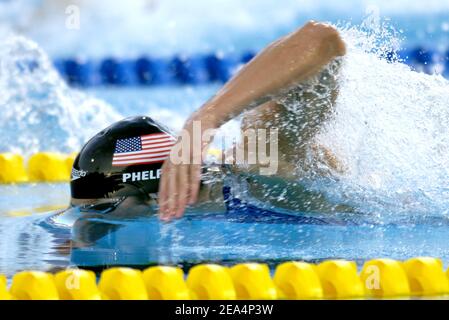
(391, 129)
(38, 111)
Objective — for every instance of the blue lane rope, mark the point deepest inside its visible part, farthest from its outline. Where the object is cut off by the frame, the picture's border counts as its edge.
(197, 69)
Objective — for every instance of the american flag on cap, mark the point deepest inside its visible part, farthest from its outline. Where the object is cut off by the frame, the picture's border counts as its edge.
(146, 149)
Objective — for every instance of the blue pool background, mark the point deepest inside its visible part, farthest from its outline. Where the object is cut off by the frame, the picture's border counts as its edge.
(29, 240)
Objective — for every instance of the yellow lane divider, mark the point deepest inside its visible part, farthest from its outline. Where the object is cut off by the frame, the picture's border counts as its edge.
(210, 282)
(165, 283)
(76, 284)
(253, 281)
(333, 279)
(426, 276)
(49, 167)
(12, 169)
(34, 285)
(339, 279)
(122, 284)
(298, 280)
(385, 278)
(43, 167)
(4, 293)
(40, 167)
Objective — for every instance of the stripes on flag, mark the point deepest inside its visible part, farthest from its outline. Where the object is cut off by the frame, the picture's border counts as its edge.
(150, 148)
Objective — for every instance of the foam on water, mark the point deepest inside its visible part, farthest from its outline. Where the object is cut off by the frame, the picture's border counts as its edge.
(39, 112)
(391, 130)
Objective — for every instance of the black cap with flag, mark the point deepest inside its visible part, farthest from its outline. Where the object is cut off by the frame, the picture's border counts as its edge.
(124, 159)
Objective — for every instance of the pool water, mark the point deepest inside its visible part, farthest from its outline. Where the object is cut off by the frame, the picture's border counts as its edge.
(28, 240)
(145, 241)
(390, 123)
(24, 243)
(39, 238)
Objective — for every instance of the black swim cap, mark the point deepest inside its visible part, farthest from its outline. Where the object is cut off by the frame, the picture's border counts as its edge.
(124, 159)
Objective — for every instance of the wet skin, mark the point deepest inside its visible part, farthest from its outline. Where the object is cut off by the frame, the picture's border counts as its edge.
(281, 66)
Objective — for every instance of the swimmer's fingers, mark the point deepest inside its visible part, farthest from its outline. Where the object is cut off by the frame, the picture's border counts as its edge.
(164, 191)
(194, 182)
(183, 189)
(173, 192)
(179, 186)
(162, 196)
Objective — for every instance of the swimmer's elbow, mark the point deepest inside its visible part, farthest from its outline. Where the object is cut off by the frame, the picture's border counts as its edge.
(328, 37)
(335, 44)
(330, 40)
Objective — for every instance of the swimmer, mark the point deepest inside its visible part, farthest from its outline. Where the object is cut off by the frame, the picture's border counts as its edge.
(115, 177)
(121, 170)
(255, 91)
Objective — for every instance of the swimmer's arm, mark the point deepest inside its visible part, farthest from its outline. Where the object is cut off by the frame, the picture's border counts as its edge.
(283, 64)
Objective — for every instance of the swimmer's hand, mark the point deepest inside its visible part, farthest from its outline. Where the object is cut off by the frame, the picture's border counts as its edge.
(180, 182)
(179, 188)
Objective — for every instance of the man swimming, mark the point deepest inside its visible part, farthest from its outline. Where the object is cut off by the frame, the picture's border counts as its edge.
(286, 64)
(119, 169)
